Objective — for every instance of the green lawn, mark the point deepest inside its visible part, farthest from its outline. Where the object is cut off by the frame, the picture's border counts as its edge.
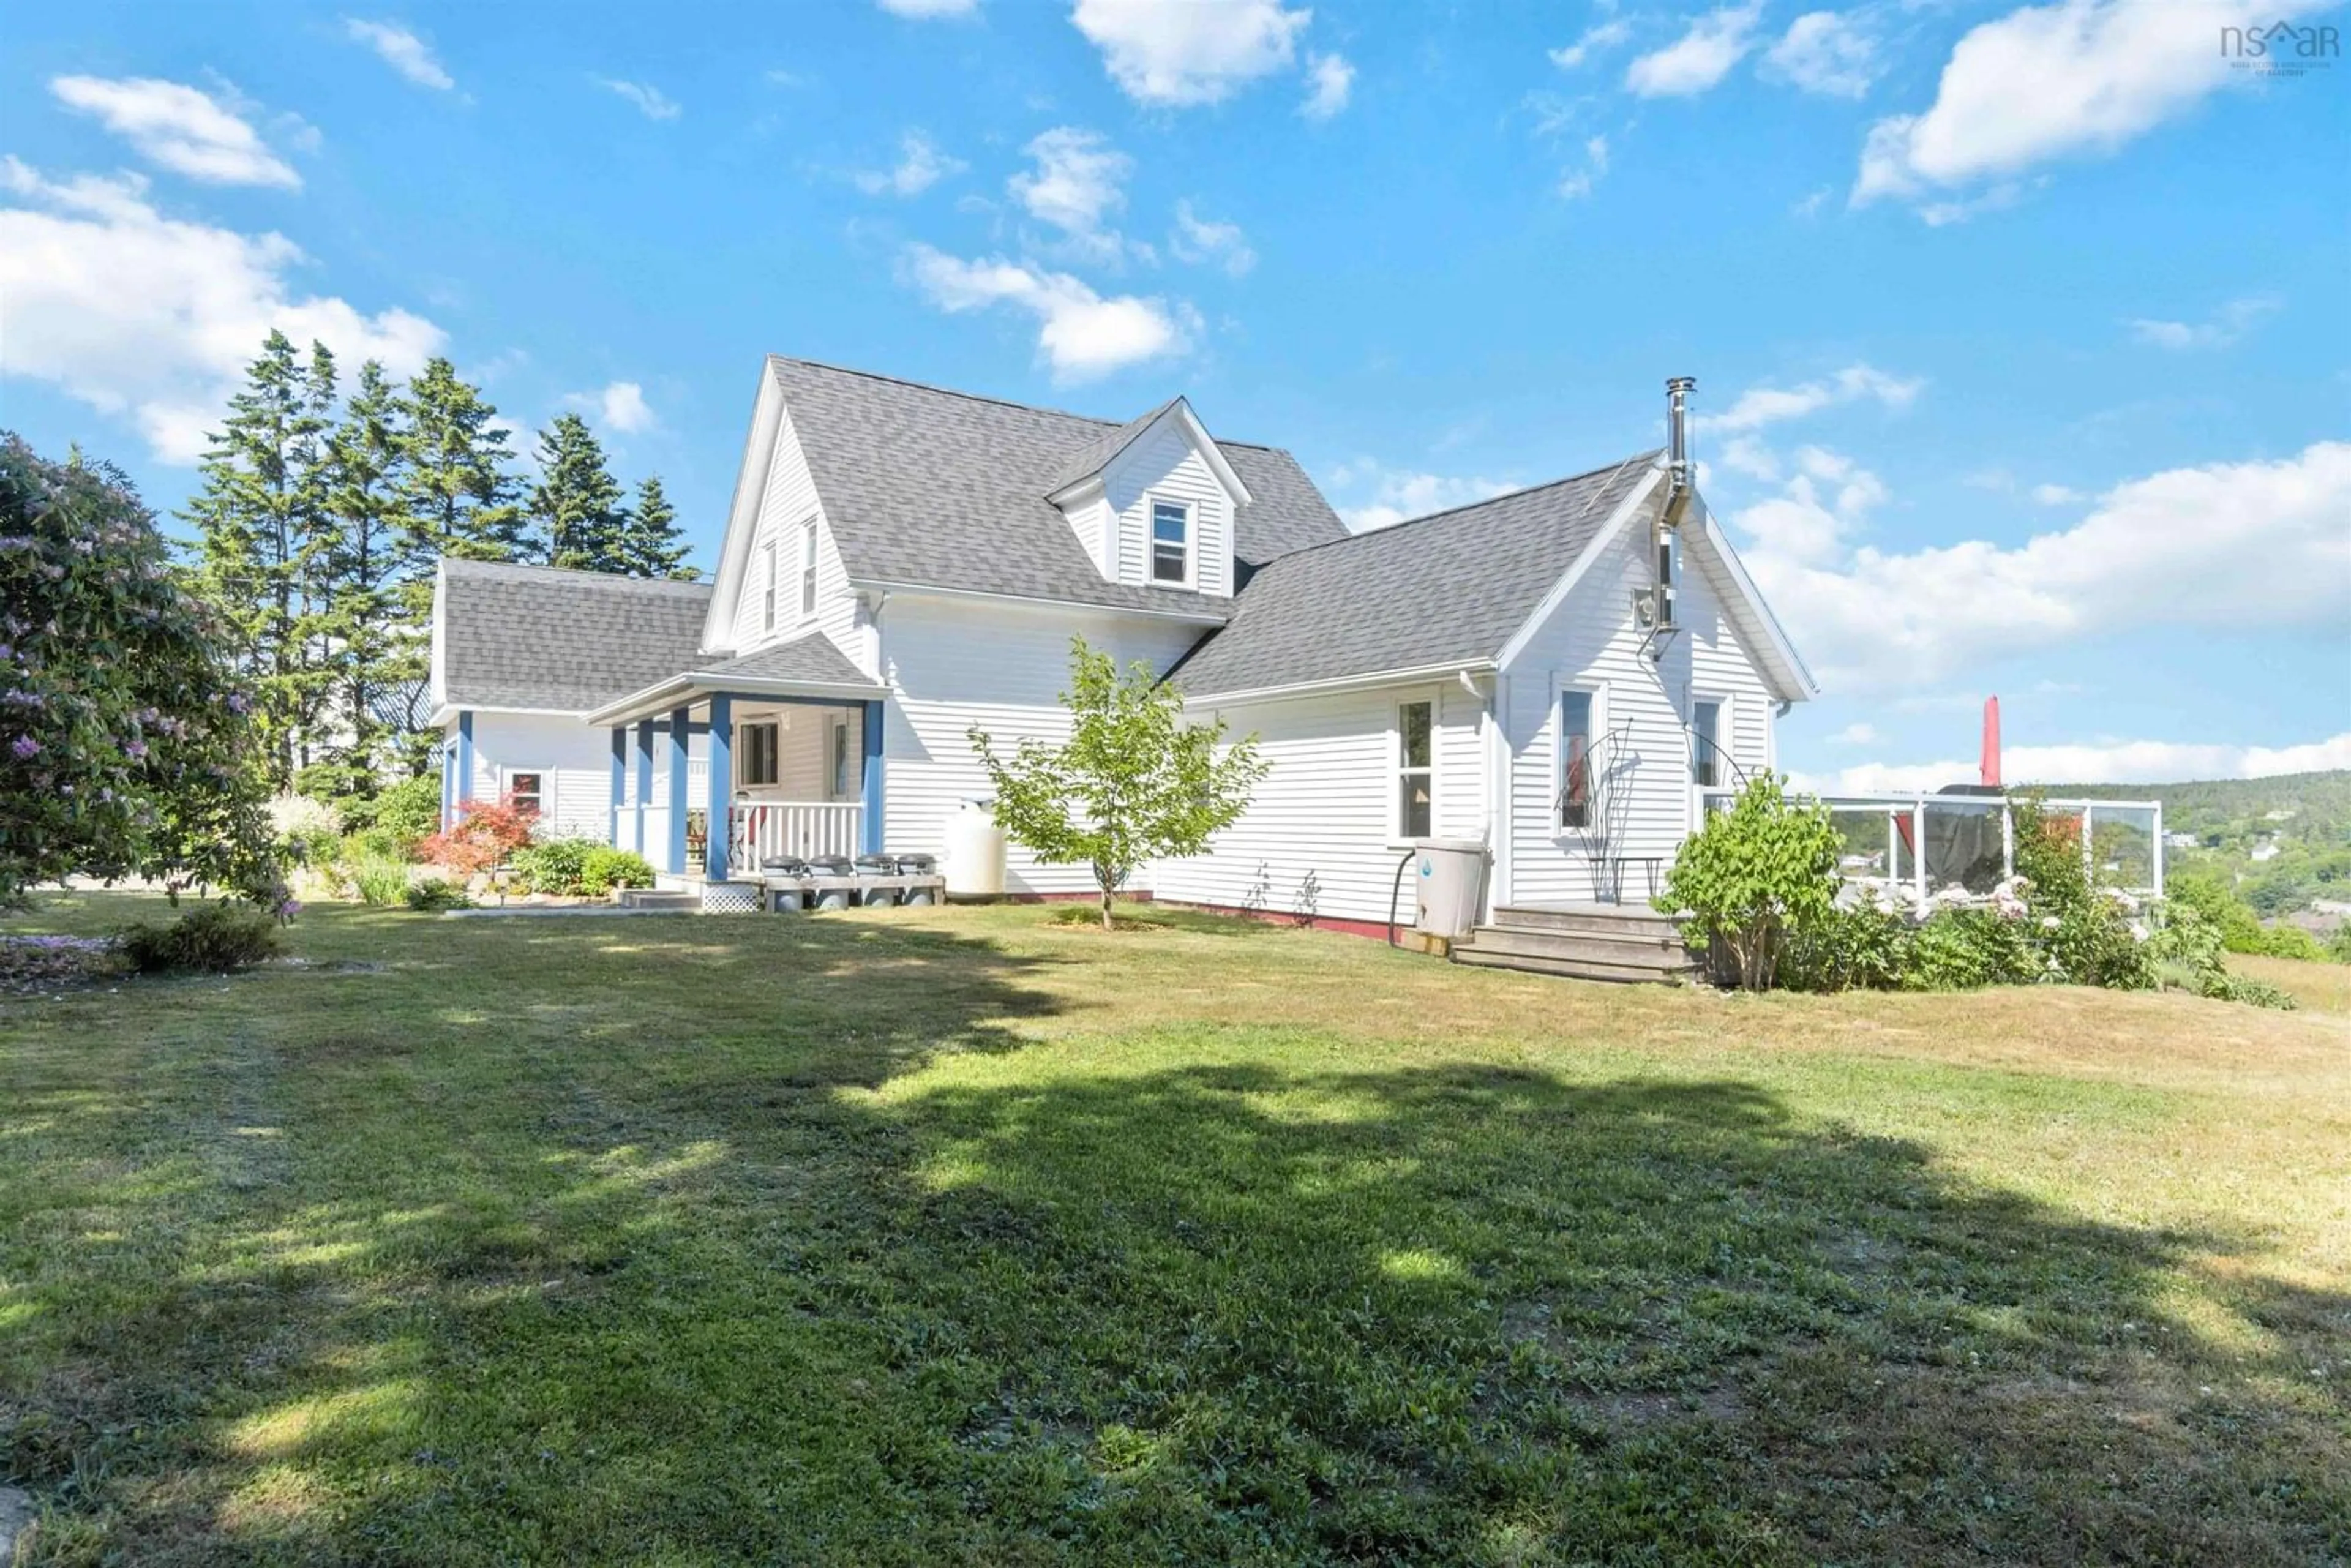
(963, 1235)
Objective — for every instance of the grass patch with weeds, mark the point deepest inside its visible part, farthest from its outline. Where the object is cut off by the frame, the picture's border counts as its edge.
(957, 1235)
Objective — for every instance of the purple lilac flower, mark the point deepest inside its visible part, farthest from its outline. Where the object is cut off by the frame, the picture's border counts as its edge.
(25, 748)
(136, 750)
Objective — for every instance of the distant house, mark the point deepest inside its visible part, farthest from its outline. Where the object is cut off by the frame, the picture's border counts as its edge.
(1558, 672)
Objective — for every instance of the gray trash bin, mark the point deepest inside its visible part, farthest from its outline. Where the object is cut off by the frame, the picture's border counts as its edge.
(1449, 875)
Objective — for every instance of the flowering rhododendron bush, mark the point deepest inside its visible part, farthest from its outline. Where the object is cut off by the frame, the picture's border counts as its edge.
(123, 741)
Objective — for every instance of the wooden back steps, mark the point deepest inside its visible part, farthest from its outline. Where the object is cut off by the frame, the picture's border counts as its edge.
(1582, 941)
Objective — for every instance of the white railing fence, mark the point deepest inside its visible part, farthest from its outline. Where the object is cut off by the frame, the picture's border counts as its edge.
(1927, 843)
(803, 828)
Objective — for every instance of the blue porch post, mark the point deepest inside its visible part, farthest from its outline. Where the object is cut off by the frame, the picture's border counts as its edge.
(681, 729)
(448, 781)
(869, 840)
(722, 781)
(620, 782)
(644, 785)
(464, 763)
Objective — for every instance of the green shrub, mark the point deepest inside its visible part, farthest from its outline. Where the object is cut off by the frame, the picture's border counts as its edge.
(378, 880)
(1966, 949)
(2187, 954)
(1857, 947)
(434, 894)
(1753, 877)
(2283, 941)
(217, 936)
(408, 811)
(2338, 947)
(2228, 988)
(554, 865)
(605, 869)
(381, 842)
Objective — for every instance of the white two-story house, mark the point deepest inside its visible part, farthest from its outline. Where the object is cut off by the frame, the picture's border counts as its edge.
(1553, 673)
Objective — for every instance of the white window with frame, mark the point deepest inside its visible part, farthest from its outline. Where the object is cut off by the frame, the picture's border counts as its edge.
(767, 589)
(1414, 814)
(757, 753)
(1710, 742)
(1576, 718)
(526, 789)
(1171, 542)
(808, 569)
(838, 776)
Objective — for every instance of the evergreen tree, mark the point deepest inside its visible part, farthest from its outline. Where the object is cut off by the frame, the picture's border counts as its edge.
(457, 497)
(651, 544)
(576, 510)
(370, 656)
(262, 537)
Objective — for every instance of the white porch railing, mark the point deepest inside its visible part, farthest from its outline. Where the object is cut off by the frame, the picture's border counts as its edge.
(759, 829)
(2122, 841)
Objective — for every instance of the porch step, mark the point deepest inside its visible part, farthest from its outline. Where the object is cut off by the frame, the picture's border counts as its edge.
(660, 898)
(1604, 917)
(1590, 944)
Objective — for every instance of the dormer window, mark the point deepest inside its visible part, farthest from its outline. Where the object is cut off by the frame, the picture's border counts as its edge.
(1171, 542)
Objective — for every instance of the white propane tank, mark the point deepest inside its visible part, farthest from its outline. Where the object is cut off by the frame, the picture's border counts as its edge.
(973, 862)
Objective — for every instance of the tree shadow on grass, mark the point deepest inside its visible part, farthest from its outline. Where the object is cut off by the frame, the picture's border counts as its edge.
(1474, 1315)
(589, 1249)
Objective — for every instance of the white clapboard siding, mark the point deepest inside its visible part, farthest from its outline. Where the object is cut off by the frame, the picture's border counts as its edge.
(1319, 837)
(788, 501)
(952, 666)
(803, 751)
(577, 763)
(1591, 641)
(1163, 463)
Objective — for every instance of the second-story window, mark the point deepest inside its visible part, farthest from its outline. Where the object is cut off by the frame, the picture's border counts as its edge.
(768, 580)
(808, 567)
(1171, 542)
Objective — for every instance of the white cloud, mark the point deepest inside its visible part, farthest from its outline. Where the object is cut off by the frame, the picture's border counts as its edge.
(1859, 733)
(1080, 334)
(920, 166)
(1759, 406)
(1330, 82)
(2079, 77)
(1574, 183)
(1809, 205)
(1827, 53)
(2055, 495)
(402, 50)
(2221, 545)
(1388, 496)
(1607, 35)
(178, 128)
(1074, 186)
(2236, 317)
(620, 407)
(155, 319)
(928, 10)
(1700, 58)
(2091, 762)
(1206, 240)
(1827, 499)
(651, 101)
(1183, 52)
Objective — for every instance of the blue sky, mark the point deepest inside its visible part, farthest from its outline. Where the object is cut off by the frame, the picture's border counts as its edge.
(2022, 339)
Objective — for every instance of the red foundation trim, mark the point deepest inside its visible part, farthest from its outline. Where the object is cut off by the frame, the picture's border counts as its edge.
(1373, 928)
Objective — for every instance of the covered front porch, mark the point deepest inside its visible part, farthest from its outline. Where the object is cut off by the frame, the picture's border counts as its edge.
(713, 772)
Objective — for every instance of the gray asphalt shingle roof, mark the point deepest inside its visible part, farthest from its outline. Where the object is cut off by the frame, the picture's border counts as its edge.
(535, 637)
(1451, 587)
(813, 658)
(947, 489)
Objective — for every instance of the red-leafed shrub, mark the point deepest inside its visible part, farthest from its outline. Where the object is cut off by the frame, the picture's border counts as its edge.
(486, 835)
